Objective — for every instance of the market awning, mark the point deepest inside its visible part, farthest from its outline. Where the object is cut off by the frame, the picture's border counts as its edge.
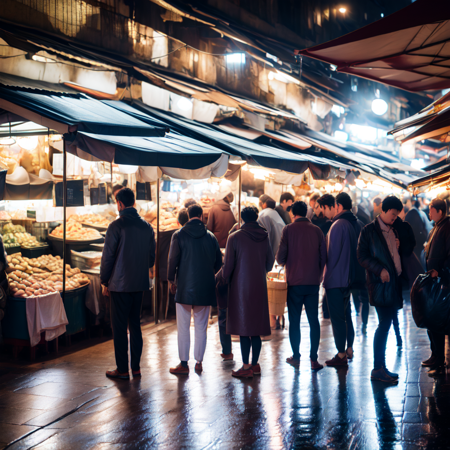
(257, 154)
(71, 112)
(408, 49)
(434, 179)
(173, 150)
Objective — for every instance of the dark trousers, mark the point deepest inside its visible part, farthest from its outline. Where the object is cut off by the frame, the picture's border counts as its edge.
(253, 342)
(126, 313)
(361, 302)
(225, 339)
(437, 341)
(297, 297)
(338, 300)
(386, 315)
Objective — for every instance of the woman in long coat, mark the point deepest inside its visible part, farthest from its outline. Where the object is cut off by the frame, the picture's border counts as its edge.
(248, 258)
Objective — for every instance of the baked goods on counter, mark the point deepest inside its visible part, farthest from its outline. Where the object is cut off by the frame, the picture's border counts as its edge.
(14, 235)
(76, 232)
(39, 276)
(95, 220)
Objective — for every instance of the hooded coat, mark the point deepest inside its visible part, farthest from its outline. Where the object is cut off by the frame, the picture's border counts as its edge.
(194, 258)
(220, 221)
(248, 258)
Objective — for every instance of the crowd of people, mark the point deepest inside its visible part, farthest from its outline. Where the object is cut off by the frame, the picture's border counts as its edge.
(329, 242)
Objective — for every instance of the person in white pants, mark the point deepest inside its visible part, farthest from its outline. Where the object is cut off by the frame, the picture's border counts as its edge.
(201, 316)
(194, 260)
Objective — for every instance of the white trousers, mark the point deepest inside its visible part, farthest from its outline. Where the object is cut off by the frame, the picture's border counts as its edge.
(201, 317)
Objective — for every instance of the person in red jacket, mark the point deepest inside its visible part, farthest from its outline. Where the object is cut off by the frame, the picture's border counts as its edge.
(303, 252)
(221, 219)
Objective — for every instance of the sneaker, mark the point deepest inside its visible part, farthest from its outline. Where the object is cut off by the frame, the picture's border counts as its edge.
(116, 374)
(228, 357)
(337, 361)
(136, 373)
(316, 366)
(199, 367)
(391, 374)
(256, 369)
(179, 370)
(293, 361)
(381, 375)
(429, 362)
(242, 373)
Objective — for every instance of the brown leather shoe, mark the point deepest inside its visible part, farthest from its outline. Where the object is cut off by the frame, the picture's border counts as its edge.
(199, 367)
(116, 374)
(292, 361)
(179, 370)
(316, 366)
(136, 373)
(256, 369)
(242, 373)
(431, 361)
(228, 357)
(337, 361)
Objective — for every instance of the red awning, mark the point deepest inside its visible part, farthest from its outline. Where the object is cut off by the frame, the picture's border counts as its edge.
(409, 49)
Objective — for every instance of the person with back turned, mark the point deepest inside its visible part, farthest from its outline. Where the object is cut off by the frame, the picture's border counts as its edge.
(128, 256)
(437, 253)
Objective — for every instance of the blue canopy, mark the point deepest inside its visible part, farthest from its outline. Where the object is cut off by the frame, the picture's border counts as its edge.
(173, 150)
(77, 112)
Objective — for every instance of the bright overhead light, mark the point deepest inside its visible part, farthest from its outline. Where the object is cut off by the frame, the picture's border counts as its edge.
(28, 143)
(184, 104)
(342, 10)
(418, 164)
(341, 136)
(235, 58)
(55, 138)
(42, 59)
(379, 107)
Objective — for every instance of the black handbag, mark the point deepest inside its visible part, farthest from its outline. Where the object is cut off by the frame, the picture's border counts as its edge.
(430, 303)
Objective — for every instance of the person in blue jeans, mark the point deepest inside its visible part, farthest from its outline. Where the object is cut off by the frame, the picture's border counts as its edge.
(302, 251)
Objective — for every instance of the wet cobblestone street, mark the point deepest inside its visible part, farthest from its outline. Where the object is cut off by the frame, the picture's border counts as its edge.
(66, 402)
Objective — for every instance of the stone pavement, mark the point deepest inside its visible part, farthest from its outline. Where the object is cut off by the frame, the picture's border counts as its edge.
(66, 402)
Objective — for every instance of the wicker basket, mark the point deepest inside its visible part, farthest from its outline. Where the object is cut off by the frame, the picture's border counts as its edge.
(277, 290)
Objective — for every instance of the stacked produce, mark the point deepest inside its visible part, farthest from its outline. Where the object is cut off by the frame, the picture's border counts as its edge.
(75, 231)
(95, 220)
(40, 276)
(14, 235)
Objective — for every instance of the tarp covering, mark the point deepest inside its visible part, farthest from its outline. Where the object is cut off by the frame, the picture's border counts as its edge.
(173, 150)
(75, 112)
(408, 49)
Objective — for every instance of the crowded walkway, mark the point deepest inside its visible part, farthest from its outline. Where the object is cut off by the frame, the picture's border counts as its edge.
(68, 402)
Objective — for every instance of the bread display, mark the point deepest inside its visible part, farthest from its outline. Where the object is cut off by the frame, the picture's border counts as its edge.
(76, 232)
(95, 220)
(14, 235)
(39, 276)
(167, 217)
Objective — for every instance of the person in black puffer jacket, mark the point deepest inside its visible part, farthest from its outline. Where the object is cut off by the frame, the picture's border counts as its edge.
(378, 253)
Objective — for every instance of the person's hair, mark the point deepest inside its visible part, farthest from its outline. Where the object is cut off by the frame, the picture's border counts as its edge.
(189, 202)
(299, 209)
(377, 201)
(439, 205)
(314, 197)
(183, 217)
(326, 200)
(229, 197)
(345, 200)
(116, 187)
(126, 196)
(249, 214)
(391, 202)
(195, 210)
(286, 196)
(271, 203)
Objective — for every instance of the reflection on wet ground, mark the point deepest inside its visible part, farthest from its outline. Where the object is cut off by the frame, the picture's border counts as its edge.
(67, 403)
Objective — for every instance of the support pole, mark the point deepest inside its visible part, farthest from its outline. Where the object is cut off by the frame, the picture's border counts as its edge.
(240, 195)
(64, 217)
(156, 287)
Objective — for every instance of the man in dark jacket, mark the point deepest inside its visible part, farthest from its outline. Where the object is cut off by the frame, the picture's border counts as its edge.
(303, 252)
(286, 200)
(421, 227)
(437, 254)
(221, 219)
(378, 253)
(328, 204)
(128, 255)
(194, 258)
(340, 272)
